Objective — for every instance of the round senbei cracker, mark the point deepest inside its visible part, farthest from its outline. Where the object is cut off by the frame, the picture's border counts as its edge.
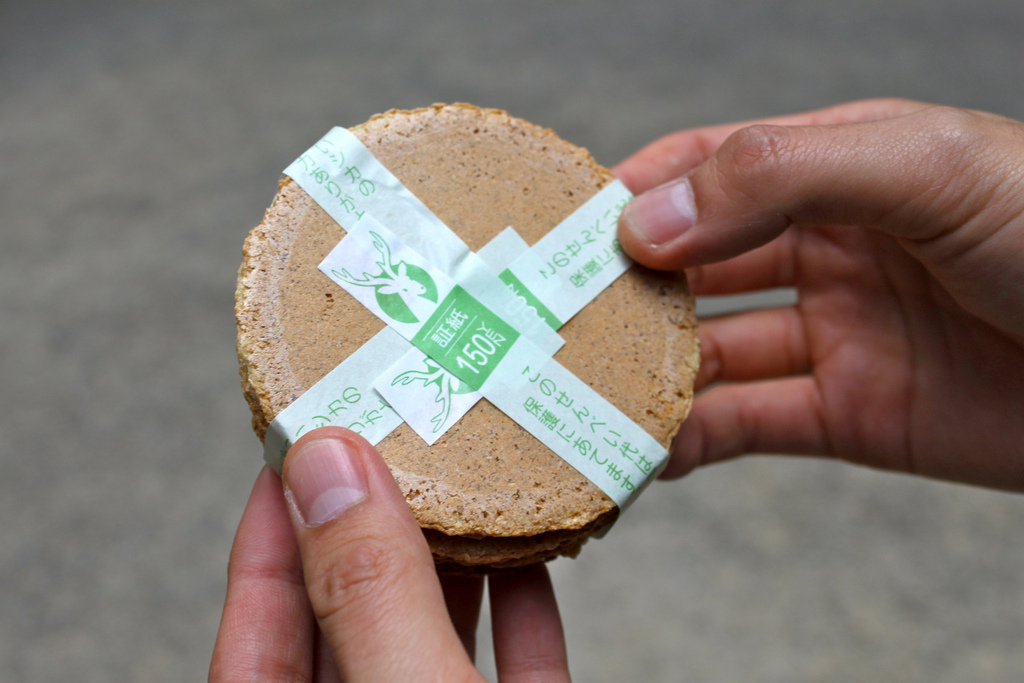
(487, 493)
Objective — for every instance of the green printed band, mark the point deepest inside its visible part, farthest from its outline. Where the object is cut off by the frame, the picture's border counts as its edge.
(466, 338)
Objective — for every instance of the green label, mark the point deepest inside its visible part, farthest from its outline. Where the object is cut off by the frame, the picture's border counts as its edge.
(520, 290)
(466, 338)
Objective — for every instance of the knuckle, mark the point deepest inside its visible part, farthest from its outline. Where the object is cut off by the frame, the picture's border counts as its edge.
(710, 360)
(366, 568)
(753, 158)
(757, 150)
(956, 152)
(949, 137)
(894, 104)
(884, 108)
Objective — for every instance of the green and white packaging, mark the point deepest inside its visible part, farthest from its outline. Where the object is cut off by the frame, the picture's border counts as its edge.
(464, 325)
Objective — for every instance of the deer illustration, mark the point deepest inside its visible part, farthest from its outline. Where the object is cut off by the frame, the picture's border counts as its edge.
(392, 279)
(445, 383)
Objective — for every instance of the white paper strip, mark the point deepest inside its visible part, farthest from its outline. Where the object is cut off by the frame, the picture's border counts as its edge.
(348, 182)
(503, 250)
(579, 258)
(575, 422)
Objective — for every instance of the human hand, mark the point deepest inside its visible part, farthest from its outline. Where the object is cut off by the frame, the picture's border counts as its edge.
(901, 227)
(337, 583)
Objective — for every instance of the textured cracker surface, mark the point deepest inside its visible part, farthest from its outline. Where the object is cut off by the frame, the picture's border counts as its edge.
(487, 478)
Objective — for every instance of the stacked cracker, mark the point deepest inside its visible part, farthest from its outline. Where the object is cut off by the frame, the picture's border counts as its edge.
(487, 494)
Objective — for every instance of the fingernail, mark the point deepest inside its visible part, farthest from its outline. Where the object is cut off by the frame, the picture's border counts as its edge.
(324, 479)
(660, 215)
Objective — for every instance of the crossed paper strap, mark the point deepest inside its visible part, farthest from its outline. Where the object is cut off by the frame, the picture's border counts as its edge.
(463, 325)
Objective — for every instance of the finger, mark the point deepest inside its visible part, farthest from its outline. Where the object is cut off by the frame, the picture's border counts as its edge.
(755, 345)
(678, 153)
(775, 416)
(528, 641)
(368, 570)
(463, 595)
(772, 265)
(267, 630)
(917, 177)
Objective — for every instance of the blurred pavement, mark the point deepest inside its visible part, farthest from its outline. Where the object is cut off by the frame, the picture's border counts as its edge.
(139, 142)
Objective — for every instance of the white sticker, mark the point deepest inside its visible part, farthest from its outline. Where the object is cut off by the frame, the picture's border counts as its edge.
(386, 276)
(395, 282)
(428, 397)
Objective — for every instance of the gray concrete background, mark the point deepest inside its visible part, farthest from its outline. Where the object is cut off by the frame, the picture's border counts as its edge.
(139, 142)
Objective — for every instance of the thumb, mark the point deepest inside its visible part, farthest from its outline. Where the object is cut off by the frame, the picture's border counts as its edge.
(368, 570)
(944, 182)
(928, 177)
